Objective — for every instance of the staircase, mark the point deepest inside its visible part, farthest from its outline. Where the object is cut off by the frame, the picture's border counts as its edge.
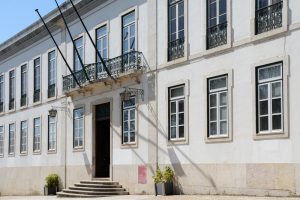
(93, 188)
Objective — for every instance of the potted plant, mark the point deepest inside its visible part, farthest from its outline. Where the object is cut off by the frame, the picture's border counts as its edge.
(164, 181)
(52, 184)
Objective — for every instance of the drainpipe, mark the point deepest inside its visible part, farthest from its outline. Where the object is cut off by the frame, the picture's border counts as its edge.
(156, 84)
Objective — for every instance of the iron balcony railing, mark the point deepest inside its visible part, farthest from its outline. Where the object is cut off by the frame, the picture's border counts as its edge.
(217, 35)
(36, 95)
(1, 107)
(268, 18)
(23, 100)
(11, 104)
(176, 49)
(51, 91)
(124, 64)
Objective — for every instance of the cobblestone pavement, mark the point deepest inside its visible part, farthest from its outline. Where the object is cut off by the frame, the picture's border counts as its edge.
(149, 197)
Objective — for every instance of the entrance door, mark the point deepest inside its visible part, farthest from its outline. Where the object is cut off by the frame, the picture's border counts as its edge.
(102, 140)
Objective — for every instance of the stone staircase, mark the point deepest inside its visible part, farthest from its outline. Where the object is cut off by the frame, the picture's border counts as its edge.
(93, 188)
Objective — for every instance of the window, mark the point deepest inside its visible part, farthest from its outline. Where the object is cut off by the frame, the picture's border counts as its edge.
(23, 137)
(101, 42)
(37, 80)
(79, 47)
(11, 139)
(51, 74)
(268, 15)
(128, 24)
(37, 134)
(78, 128)
(218, 107)
(51, 133)
(176, 29)
(23, 85)
(1, 93)
(12, 89)
(176, 112)
(269, 99)
(216, 23)
(1, 140)
(129, 120)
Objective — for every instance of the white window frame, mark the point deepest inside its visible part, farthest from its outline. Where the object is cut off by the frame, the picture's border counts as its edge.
(12, 88)
(128, 26)
(24, 79)
(2, 90)
(52, 80)
(269, 82)
(80, 49)
(78, 137)
(285, 94)
(129, 109)
(102, 38)
(177, 20)
(38, 77)
(23, 137)
(218, 107)
(217, 13)
(52, 136)
(2, 141)
(11, 139)
(37, 137)
(177, 100)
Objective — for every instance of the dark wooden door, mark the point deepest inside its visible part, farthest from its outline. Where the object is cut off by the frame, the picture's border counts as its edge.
(102, 141)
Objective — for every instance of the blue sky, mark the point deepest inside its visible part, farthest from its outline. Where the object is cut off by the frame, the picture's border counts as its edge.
(15, 15)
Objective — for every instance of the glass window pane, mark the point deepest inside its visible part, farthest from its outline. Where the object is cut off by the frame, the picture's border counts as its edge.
(132, 125)
(181, 106)
(213, 114)
(223, 99)
(177, 92)
(264, 108)
(218, 83)
(173, 107)
(276, 89)
(223, 113)
(222, 6)
(181, 119)
(129, 18)
(213, 100)
(125, 126)
(264, 123)
(212, 10)
(223, 128)
(270, 72)
(181, 9)
(173, 120)
(213, 128)
(181, 131)
(276, 106)
(276, 122)
(222, 19)
(263, 92)
(173, 132)
(132, 136)
(181, 23)
(132, 114)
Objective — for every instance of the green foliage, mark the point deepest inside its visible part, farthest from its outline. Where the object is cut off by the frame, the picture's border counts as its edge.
(52, 180)
(168, 174)
(158, 176)
(163, 176)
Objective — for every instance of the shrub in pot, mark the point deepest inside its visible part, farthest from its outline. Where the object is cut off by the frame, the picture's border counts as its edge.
(52, 184)
(164, 181)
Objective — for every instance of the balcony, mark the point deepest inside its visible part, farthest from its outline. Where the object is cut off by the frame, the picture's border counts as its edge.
(1, 107)
(51, 91)
(268, 18)
(176, 49)
(217, 35)
(11, 105)
(36, 96)
(23, 100)
(129, 63)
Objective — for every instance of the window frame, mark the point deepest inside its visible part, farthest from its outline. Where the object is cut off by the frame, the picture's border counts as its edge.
(2, 91)
(55, 134)
(284, 134)
(35, 88)
(2, 142)
(37, 151)
(54, 78)
(97, 38)
(24, 83)
(21, 138)
(10, 139)
(129, 119)
(83, 129)
(10, 92)
(75, 56)
(123, 15)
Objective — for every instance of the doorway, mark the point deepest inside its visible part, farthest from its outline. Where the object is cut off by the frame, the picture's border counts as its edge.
(102, 141)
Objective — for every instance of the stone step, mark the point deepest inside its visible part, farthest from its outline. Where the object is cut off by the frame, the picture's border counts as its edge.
(63, 194)
(102, 193)
(96, 189)
(100, 182)
(97, 185)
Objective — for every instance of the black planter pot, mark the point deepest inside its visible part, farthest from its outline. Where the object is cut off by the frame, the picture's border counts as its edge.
(164, 188)
(50, 191)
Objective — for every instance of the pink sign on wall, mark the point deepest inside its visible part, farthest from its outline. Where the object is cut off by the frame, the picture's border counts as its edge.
(142, 171)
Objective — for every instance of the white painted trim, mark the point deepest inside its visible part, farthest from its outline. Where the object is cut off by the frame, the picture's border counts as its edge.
(80, 148)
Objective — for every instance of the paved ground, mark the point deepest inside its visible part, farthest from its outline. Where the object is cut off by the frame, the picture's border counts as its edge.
(146, 197)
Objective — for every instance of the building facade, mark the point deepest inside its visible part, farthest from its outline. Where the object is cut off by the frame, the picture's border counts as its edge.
(207, 87)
